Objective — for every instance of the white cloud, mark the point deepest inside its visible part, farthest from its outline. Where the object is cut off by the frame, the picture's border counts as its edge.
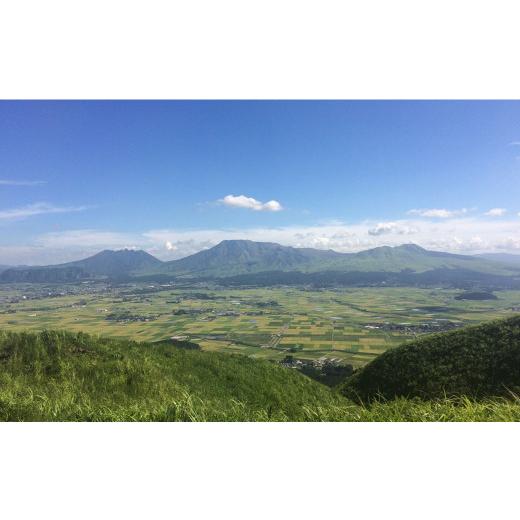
(386, 228)
(273, 205)
(7, 182)
(241, 201)
(437, 213)
(39, 208)
(515, 143)
(496, 212)
(468, 235)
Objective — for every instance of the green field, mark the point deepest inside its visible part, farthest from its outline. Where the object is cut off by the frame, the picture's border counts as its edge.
(350, 325)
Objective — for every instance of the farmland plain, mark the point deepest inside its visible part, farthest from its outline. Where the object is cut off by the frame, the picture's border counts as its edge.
(349, 326)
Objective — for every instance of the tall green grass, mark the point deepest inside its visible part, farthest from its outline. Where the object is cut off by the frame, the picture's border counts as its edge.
(64, 376)
(59, 376)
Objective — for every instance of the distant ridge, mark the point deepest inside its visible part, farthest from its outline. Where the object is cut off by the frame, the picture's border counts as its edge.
(233, 258)
(117, 263)
(236, 257)
(105, 264)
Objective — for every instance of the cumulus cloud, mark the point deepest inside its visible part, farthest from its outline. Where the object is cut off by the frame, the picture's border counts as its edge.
(466, 235)
(496, 212)
(39, 208)
(241, 201)
(386, 228)
(8, 182)
(438, 213)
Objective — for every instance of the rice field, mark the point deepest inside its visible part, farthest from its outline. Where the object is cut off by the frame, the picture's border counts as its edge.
(350, 325)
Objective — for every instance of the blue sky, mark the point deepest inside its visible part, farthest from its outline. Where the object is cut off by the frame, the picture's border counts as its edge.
(176, 177)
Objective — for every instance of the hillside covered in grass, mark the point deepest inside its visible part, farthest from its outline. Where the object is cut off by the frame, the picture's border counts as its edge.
(479, 362)
(60, 376)
(65, 376)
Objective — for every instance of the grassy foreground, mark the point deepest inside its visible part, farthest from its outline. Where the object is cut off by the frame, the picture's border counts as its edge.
(59, 376)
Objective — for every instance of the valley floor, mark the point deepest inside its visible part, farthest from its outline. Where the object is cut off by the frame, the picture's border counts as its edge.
(346, 325)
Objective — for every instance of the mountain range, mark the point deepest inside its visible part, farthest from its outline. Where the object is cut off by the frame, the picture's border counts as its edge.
(238, 257)
(243, 258)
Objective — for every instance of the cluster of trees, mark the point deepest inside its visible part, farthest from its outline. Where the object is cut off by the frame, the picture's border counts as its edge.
(128, 316)
(476, 295)
(180, 312)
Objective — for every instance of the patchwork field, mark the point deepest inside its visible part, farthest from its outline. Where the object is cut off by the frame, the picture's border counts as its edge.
(349, 325)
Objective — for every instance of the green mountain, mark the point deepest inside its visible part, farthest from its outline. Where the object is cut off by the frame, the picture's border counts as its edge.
(411, 257)
(105, 264)
(233, 258)
(238, 257)
(117, 263)
(480, 361)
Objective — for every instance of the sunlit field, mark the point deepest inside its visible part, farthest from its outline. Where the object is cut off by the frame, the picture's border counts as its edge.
(348, 325)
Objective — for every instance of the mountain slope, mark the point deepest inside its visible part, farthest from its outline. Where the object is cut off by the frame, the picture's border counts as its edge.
(244, 257)
(105, 264)
(231, 257)
(411, 257)
(60, 376)
(480, 361)
(237, 257)
(117, 263)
